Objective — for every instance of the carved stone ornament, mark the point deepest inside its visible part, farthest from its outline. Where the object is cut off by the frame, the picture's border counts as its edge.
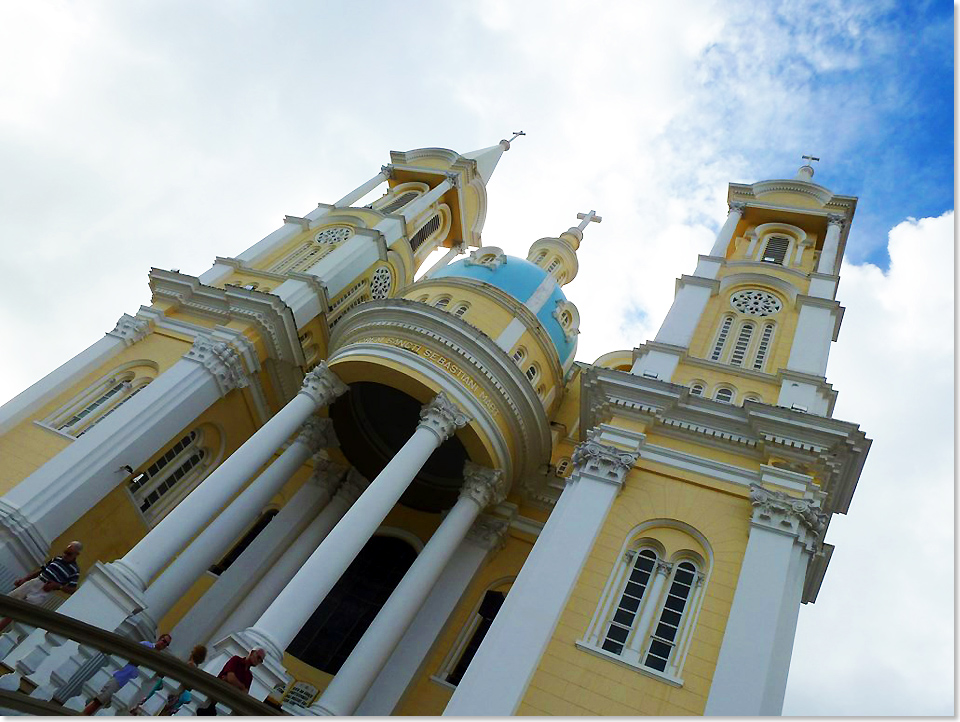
(354, 484)
(328, 474)
(489, 532)
(387, 170)
(454, 178)
(442, 416)
(322, 385)
(221, 360)
(130, 329)
(604, 462)
(316, 434)
(484, 485)
(664, 567)
(737, 207)
(836, 219)
(779, 511)
(474, 258)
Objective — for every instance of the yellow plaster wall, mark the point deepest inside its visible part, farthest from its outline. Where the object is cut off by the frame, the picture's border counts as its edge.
(570, 681)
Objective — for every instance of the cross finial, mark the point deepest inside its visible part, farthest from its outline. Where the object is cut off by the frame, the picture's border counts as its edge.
(810, 157)
(586, 218)
(516, 134)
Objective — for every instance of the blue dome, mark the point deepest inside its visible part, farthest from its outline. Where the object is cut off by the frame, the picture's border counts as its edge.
(518, 278)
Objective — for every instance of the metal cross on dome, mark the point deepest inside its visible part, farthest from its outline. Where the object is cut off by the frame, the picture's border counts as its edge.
(586, 219)
(810, 158)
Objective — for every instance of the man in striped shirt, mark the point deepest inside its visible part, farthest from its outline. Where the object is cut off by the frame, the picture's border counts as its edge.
(61, 573)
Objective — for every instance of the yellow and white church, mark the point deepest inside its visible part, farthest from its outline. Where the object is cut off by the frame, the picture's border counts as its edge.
(411, 495)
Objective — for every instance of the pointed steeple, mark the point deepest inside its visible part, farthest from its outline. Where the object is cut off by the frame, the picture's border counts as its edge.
(487, 158)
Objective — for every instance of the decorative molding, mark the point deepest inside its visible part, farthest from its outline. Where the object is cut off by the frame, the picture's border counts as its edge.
(664, 567)
(737, 207)
(328, 475)
(130, 329)
(322, 385)
(779, 512)
(473, 259)
(316, 434)
(221, 360)
(489, 532)
(602, 462)
(484, 485)
(442, 417)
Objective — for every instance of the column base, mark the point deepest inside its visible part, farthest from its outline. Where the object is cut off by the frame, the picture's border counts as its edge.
(22, 547)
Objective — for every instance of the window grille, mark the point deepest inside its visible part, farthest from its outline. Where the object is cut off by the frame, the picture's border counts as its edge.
(664, 637)
(163, 474)
(566, 319)
(763, 347)
(461, 309)
(398, 203)
(554, 264)
(302, 258)
(626, 612)
(118, 387)
(121, 402)
(562, 466)
(696, 390)
(724, 396)
(417, 239)
(776, 250)
(519, 354)
(442, 302)
(334, 234)
(531, 372)
(380, 283)
(721, 338)
(743, 342)
(754, 302)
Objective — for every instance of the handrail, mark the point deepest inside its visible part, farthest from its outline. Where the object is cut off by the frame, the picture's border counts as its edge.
(32, 705)
(164, 664)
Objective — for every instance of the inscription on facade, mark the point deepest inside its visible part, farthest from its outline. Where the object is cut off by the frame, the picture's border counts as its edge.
(448, 365)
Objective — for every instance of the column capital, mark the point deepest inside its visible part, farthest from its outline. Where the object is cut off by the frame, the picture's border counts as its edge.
(442, 416)
(387, 171)
(484, 485)
(737, 207)
(130, 329)
(836, 219)
(603, 462)
(663, 567)
(322, 385)
(454, 178)
(488, 532)
(327, 474)
(354, 484)
(317, 433)
(221, 360)
(779, 512)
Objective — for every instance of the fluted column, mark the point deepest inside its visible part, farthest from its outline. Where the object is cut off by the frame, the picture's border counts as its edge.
(751, 673)
(213, 542)
(320, 388)
(481, 487)
(300, 598)
(828, 254)
(343, 492)
(725, 234)
(498, 675)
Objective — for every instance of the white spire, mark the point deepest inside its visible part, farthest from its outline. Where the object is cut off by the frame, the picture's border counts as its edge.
(487, 158)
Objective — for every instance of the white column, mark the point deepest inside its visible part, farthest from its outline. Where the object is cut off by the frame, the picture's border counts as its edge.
(262, 555)
(499, 673)
(481, 488)
(128, 331)
(213, 542)
(360, 191)
(261, 596)
(320, 387)
(293, 606)
(414, 209)
(725, 235)
(44, 504)
(635, 646)
(407, 659)
(454, 251)
(828, 254)
(751, 672)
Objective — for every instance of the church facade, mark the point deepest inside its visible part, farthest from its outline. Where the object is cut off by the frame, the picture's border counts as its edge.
(410, 494)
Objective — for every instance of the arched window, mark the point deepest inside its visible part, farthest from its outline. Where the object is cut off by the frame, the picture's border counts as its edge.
(425, 231)
(554, 264)
(442, 302)
(487, 258)
(696, 390)
(455, 664)
(646, 613)
(752, 397)
(540, 256)
(398, 202)
(562, 466)
(561, 278)
(776, 250)
(722, 334)
(764, 346)
(178, 470)
(102, 398)
(334, 629)
(423, 298)
(461, 309)
(532, 372)
(520, 354)
(743, 342)
(246, 540)
(566, 319)
(724, 395)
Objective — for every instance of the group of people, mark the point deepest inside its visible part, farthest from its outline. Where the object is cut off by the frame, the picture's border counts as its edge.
(62, 573)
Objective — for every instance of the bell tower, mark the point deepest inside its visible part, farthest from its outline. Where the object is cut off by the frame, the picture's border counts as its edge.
(755, 320)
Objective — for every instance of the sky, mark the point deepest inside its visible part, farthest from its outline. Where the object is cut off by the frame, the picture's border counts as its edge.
(164, 134)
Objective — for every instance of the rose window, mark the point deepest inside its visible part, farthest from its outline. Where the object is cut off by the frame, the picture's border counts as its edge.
(334, 234)
(380, 283)
(755, 302)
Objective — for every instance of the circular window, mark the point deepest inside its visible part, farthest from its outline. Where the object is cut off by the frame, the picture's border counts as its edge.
(334, 234)
(755, 302)
(380, 283)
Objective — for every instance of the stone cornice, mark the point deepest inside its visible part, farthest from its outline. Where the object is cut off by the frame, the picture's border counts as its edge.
(130, 329)
(685, 280)
(833, 306)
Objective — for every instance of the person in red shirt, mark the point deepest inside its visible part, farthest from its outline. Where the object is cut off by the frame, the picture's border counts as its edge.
(237, 673)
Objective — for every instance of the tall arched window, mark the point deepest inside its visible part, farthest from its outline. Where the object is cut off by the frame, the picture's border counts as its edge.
(626, 610)
(764, 346)
(102, 398)
(160, 486)
(336, 626)
(665, 633)
(742, 344)
(458, 659)
(397, 203)
(722, 334)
